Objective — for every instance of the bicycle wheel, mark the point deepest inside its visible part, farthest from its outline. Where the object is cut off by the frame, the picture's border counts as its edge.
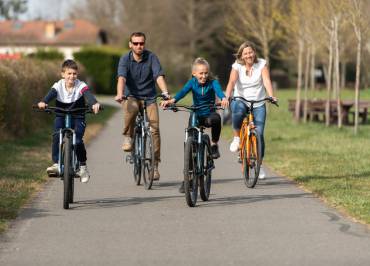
(136, 156)
(67, 172)
(252, 159)
(190, 173)
(207, 163)
(148, 160)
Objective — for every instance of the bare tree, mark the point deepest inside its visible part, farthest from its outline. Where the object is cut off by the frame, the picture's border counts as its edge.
(356, 9)
(10, 9)
(257, 20)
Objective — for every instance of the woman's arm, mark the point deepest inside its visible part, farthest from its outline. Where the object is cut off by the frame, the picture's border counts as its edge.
(231, 84)
(267, 81)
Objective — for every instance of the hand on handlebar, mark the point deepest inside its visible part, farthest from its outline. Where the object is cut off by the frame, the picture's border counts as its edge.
(167, 102)
(224, 103)
(42, 105)
(274, 100)
(119, 98)
(96, 108)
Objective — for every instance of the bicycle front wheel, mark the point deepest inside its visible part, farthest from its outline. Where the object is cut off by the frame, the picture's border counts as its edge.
(252, 159)
(148, 160)
(190, 172)
(207, 163)
(136, 156)
(67, 172)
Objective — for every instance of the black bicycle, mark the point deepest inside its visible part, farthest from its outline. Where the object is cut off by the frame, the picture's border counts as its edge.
(68, 164)
(198, 161)
(142, 153)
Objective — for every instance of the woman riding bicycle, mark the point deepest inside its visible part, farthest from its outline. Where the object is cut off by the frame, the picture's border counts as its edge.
(249, 78)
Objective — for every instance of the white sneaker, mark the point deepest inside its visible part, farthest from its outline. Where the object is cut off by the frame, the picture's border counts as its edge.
(52, 170)
(83, 173)
(234, 146)
(262, 174)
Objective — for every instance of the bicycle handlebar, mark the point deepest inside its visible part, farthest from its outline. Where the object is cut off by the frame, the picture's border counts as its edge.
(164, 97)
(175, 107)
(54, 109)
(269, 99)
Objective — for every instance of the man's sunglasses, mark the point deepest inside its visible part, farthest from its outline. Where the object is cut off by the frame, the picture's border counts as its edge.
(138, 43)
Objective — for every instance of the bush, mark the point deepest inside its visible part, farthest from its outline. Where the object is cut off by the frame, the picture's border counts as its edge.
(101, 65)
(51, 54)
(22, 83)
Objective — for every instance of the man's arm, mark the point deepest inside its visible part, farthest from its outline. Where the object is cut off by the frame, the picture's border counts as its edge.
(121, 83)
(162, 85)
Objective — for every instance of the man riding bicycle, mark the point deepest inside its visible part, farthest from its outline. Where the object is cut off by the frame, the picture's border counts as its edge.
(138, 71)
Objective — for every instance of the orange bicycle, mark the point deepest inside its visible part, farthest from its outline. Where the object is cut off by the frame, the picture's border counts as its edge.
(250, 147)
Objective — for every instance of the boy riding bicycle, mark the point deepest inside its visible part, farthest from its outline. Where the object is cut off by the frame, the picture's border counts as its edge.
(70, 92)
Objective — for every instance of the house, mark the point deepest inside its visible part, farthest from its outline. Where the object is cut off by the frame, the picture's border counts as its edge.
(66, 36)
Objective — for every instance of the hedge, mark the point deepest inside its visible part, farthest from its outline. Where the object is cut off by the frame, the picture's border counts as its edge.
(22, 83)
(101, 66)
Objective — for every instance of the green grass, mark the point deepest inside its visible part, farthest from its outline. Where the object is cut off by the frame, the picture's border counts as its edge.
(332, 163)
(22, 167)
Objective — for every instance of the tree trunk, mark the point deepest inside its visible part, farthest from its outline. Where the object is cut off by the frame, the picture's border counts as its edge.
(357, 84)
(299, 81)
(329, 80)
(313, 54)
(306, 74)
(337, 73)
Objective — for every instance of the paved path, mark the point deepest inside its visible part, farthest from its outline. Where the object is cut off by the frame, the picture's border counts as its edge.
(115, 222)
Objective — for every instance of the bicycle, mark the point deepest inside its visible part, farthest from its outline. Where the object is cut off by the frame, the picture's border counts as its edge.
(198, 161)
(68, 164)
(142, 153)
(250, 147)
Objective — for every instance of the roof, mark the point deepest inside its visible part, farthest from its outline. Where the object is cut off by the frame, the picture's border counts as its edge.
(39, 32)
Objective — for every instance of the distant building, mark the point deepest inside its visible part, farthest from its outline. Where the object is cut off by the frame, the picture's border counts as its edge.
(67, 36)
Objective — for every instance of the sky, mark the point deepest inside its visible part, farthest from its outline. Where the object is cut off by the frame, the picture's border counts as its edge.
(48, 9)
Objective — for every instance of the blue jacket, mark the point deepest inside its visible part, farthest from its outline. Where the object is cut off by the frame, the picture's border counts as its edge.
(202, 94)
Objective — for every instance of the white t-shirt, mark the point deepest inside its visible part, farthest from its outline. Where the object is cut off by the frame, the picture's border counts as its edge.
(62, 93)
(250, 87)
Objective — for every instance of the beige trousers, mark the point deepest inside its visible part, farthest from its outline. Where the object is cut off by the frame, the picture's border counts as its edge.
(130, 110)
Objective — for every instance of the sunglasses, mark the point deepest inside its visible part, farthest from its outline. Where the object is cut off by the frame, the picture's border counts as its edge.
(138, 43)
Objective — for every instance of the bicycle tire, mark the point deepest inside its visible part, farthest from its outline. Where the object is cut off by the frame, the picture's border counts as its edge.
(148, 160)
(207, 162)
(67, 172)
(137, 157)
(190, 175)
(252, 160)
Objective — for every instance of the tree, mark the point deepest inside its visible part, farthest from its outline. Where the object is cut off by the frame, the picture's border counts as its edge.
(257, 20)
(356, 9)
(10, 9)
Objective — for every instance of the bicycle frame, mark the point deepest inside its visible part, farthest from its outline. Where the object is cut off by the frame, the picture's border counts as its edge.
(63, 132)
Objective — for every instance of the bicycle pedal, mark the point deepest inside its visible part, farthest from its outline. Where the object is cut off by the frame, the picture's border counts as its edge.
(129, 159)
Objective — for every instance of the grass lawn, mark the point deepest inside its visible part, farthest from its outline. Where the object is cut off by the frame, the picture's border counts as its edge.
(23, 163)
(330, 162)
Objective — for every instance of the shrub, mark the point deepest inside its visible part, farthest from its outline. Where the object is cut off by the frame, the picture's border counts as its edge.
(101, 65)
(50, 54)
(23, 83)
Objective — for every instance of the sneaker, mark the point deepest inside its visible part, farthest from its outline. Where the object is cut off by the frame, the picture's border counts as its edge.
(52, 170)
(215, 152)
(156, 172)
(262, 174)
(83, 173)
(234, 146)
(127, 145)
(182, 187)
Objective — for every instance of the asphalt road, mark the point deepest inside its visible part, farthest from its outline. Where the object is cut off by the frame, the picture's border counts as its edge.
(115, 222)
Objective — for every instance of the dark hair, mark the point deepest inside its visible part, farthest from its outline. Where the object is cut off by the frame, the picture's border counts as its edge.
(69, 63)
(137, 34)
(244, 45)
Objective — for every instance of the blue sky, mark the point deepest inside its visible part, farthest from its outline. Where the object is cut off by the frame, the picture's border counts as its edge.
(48, 9)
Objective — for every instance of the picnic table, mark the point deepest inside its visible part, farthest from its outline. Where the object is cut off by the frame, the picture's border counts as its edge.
(316, 110)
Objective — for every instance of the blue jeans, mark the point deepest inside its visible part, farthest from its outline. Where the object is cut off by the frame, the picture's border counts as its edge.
(239, 111)
(79, 125)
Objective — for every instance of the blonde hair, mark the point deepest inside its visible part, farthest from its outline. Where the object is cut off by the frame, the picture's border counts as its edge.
(244, 45)
(204, 62)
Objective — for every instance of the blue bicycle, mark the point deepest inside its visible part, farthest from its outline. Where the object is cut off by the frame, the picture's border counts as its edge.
(68, 164)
